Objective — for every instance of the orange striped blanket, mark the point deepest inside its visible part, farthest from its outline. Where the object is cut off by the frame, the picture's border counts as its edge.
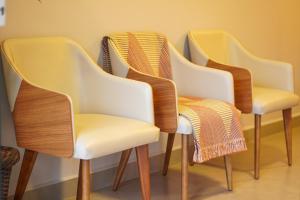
(216, 125)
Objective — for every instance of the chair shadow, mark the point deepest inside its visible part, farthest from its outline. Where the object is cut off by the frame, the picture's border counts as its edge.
(166, 187)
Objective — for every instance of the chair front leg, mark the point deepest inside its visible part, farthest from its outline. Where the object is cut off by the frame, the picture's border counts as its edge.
(84, 186)
(142, 154)
(121, 168)
(287, 119)
(28, 162)
(184, 167)
(257, 146)
(170, 143)
(228, 169)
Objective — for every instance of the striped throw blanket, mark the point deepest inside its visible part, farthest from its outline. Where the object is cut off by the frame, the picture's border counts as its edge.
(216, 125)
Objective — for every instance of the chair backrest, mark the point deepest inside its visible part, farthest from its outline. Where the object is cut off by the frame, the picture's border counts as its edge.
(215, 44)
(50, 63)
(146, 52)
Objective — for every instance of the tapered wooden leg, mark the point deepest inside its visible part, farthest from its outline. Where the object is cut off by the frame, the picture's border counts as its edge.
(142, 154)
(191, 152)
(257, 146)
(287, 119)
(170, 142)
(228, 169)
(83, 190)
(26, 169)
(121, 168)
(79, 184)
(184, 168)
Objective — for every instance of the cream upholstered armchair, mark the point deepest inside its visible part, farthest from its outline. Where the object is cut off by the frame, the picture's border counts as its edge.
(64, 105)
(187, 80)
(271, 87)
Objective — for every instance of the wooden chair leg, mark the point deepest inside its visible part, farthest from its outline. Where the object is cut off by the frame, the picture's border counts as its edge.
(84, 187)
(191, 152)
(26, 169)
(184, 168)
(142, 154)
(228, 169)
(79, 184)
(287, 119)
(170, 142)
(121, 168)
(257, 146)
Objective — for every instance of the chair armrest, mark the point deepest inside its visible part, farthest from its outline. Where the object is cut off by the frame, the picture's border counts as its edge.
(43, 121)
(242, 85)
(165, 100)
(261, 69)
(195, 80)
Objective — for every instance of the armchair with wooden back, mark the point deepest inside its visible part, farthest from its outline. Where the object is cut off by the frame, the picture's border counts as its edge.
(187, 80)
(271, 88)
(64, 105)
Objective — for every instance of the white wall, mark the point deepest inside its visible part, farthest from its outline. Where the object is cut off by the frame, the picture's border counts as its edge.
(269, 28)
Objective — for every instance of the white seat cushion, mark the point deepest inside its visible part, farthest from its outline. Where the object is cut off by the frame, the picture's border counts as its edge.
(267, 100)
(184, 126)
(100, 135)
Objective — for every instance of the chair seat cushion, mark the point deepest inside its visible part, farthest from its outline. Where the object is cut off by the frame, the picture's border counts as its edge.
(99, 135)
(267, 100)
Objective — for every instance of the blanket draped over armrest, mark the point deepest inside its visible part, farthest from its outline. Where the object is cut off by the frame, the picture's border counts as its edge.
(216, 124)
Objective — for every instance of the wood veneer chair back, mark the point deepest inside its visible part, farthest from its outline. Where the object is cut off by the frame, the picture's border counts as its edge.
(218, 49)
(48, 63)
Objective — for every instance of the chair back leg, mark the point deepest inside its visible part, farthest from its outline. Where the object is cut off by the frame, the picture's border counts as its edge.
(28, 162)
(228, 169)
(142, 154)
(170, 143)
(84, 186)
(287, 119)
(257, 145)
(121, 168)
(184, 167)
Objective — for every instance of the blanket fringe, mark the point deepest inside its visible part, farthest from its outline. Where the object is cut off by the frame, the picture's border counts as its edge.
(204, 154)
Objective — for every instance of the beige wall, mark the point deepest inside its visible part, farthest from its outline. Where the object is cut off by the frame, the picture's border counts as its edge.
(269, 28)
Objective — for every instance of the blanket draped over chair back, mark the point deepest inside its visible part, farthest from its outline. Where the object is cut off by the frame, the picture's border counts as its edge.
(216, 124)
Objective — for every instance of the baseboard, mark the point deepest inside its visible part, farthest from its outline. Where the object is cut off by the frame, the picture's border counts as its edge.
(104, 178)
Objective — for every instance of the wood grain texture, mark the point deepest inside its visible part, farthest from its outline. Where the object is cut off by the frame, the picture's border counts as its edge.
(287, 119)
(164, 95)
(169, 147)
(121, 168)
(83, 191)
(28, 162)
(242, 85)
(228, 170)
(43, 121)
(257, 145)
(184, 167)
(142, 154)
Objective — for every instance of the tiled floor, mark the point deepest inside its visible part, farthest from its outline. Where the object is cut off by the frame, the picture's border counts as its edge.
(277, 182)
